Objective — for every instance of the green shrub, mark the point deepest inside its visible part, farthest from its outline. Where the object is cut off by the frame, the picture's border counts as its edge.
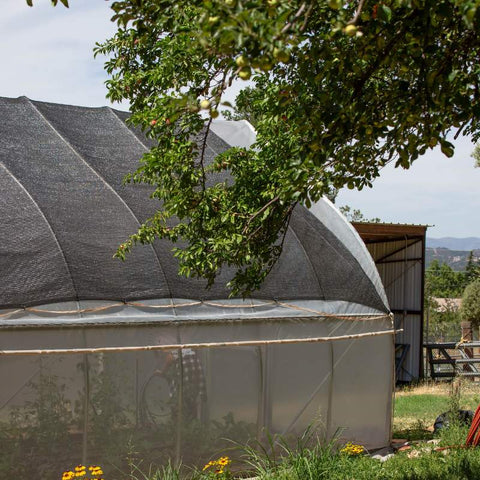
(471, 303)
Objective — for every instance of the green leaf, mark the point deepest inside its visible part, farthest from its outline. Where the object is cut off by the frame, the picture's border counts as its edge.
(384, 13)
(54, 2)
(447, 148)
(452, 75)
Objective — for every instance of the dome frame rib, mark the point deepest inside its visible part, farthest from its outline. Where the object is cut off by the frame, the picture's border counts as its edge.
(347, 236)
(307, 256)
(334, 247)
(49, 226)
(144, 147)
(102, 179)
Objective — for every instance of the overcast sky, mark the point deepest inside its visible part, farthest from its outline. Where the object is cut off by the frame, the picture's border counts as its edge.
(47, 55)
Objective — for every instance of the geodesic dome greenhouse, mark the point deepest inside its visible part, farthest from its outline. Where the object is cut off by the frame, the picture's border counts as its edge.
(104, 362)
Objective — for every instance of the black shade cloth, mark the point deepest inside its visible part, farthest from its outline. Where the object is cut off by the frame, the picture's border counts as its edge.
(64, 211)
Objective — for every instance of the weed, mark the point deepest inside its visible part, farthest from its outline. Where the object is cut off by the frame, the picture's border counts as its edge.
(166, 472)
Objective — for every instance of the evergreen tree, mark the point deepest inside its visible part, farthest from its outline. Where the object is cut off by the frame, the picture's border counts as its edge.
(472, 270)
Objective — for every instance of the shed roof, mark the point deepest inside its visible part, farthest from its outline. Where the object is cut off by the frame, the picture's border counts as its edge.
(385, 232)
(64, 210)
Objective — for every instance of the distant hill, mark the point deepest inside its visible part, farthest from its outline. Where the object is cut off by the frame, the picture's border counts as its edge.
(457, 259)
(452, 251)
(465, 244)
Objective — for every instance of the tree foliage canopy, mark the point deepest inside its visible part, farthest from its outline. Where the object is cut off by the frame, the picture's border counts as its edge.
(444, 282)
(471, 303)
(340, 89)
(356, 215)
(476, 155)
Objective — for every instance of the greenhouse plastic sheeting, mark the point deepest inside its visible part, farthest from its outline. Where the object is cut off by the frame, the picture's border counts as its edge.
(188, 404)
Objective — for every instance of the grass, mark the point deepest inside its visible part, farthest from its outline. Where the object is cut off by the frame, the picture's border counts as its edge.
(422, 462)
(415, 411)
(323, 465)
(417, 407)
(327, 463)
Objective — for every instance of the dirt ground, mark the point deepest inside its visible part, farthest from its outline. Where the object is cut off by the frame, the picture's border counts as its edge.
(466, 388)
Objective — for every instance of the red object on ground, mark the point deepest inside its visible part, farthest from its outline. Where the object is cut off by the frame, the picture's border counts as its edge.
(473, 437)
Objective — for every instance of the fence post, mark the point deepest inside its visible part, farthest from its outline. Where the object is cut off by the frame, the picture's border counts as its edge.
(467, 336)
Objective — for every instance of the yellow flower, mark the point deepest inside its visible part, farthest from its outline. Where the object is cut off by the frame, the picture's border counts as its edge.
(352, 449)
(220, 465)
(68, 475)
(208, 465)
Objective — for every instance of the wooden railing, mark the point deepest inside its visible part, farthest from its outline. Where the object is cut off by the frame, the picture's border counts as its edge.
(458, 356)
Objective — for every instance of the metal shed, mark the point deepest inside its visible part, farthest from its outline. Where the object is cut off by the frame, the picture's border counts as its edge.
(398, 251)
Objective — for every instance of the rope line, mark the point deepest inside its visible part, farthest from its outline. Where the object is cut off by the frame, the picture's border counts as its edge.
(70, 312)
(245, 343)
(346, 316)
(11, 313)
(167, 305)
(238, 305)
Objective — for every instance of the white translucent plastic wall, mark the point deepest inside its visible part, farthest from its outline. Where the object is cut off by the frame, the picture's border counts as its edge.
(342, 386)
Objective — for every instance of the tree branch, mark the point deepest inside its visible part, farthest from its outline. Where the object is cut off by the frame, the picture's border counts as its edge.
(202, 155)
(464, 124)
(304, 24)
(285, 226)
(259, 212)
(295, 18)
(354, 20)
